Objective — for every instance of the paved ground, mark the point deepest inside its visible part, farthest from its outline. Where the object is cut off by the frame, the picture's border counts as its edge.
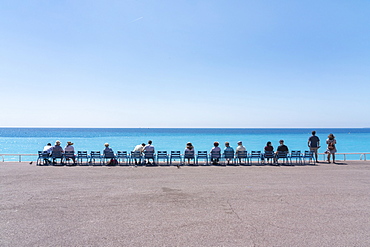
(325, 205)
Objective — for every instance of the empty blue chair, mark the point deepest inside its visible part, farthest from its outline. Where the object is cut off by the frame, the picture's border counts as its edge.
(43, 158)
(269, 157)
(137, 157)
(82, 155)
(308, 155)
(282, 155)
(228, 156)
(296, 155)
(189, 155)
(175, 155)
(215, 157)
(202, 155)
(122, 156)
(94, 155)
(242, 156)
(162, 155)
(255, 155)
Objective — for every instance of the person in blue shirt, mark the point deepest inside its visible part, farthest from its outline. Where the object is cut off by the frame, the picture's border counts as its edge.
(230, 150)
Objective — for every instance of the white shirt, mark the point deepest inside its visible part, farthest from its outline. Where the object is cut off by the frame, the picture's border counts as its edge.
(139, 148)
(240, 148)
(47, 149)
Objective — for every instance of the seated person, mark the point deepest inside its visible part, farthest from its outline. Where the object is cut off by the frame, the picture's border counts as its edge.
(268, 148)
(240, 147)
(70, 148)
(189, 148)
(107, 150)
(149, 148)
(139, 148)
(281, 148)
(228, 149)
(215, 153)
(48, 149)
(57, 148)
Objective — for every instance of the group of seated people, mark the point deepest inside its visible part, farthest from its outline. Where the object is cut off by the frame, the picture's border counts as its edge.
(49, 150)
(141, 150)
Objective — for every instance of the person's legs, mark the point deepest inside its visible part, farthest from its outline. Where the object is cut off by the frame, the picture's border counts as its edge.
(333, 157)
(316, 155)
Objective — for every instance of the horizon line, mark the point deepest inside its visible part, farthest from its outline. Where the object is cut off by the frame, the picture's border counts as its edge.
(100, 127)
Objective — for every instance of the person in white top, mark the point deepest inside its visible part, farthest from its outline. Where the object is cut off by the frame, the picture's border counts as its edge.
(149, 148)
(48, 148)
(240, 147)
(139, 148)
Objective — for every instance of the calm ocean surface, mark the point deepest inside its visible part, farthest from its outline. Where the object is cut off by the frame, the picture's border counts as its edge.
(30, 140)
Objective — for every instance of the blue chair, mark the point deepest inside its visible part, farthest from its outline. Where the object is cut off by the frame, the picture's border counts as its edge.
(94, 155)
(43, 158)
(296, 155)
(137, 157)
(308, 155)
(229, 156)
(81, 155)
(68, 156)
(162, 155)
(215, 157)
(269, 156)
(122, 156)
(175, 155)
(57, 155)
(202, 155)
(255, 155)
(242, 156)
(189, 155)
(149, 155)
(109, 155)
(282, 155)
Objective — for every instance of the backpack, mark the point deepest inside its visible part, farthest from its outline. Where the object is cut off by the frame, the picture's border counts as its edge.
(112, 162)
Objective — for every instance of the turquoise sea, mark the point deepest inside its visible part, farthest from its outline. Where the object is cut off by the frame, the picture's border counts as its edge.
(30, 140)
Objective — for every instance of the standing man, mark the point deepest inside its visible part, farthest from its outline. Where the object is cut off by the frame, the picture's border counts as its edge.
(314, 144)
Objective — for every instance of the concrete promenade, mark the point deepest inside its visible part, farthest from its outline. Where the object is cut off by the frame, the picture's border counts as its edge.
(323, 205)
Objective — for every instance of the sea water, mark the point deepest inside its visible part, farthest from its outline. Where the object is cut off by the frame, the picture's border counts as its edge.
(31, 140)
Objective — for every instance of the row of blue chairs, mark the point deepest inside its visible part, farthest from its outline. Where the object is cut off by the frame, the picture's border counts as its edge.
(188, 157)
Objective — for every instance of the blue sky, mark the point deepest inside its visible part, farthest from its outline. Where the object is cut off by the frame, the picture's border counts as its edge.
(185, 63)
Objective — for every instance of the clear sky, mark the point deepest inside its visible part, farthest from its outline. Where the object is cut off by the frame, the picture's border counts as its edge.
(210, 63)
